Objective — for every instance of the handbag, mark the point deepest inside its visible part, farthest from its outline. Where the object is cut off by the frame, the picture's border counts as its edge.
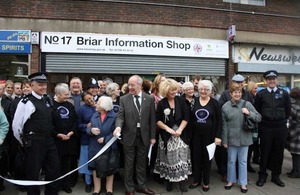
(108, 163)
(248, 124)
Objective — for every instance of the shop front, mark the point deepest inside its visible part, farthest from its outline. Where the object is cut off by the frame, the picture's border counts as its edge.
(65, 55)
(15, 50)
(253, 60)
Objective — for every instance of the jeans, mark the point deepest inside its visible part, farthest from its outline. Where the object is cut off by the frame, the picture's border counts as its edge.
(240, 153)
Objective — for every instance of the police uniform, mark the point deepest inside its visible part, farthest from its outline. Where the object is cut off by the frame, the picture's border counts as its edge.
(274, 105)
(32, 126)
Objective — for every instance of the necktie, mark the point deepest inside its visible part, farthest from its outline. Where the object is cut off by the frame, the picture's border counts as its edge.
(138, 105)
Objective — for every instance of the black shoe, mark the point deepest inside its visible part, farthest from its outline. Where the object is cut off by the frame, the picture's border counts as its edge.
(250, 169)
(107, 193)
(88, 188)
(96, 193)
(67, 190)
(244, 190)
(278, 182)
(227, 187)
(205, 189)
(182, 187)
(293, 175)
(169, 186)
(194, 185)
(260, 182)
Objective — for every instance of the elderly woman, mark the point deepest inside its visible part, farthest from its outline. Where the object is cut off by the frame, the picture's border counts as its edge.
(293, 140)
(85, 113)
(235, 138)
(102, 127)
(188, 94)
(173, 157)
(206, 129)
(113, 91)
(65, 131)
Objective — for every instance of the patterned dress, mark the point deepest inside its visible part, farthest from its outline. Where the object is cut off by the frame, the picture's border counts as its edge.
(173, 156)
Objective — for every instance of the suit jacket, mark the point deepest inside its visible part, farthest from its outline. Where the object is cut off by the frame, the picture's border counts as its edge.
(128, 118)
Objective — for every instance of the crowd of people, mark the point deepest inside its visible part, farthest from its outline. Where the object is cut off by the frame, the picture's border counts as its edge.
(59, 131)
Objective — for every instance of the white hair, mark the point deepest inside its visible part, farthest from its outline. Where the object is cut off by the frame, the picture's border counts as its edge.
(106, 103)
(187, 84)
(208, 84)
(110, 88)
(61, 88)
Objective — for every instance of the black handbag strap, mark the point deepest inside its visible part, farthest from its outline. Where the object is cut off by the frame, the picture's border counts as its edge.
(244, 104)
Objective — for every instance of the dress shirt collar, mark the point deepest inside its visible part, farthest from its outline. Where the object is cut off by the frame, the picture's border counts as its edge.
(270, 90)
(36, 95)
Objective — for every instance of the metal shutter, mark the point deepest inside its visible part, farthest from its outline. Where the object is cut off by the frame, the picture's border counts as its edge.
(133, 64)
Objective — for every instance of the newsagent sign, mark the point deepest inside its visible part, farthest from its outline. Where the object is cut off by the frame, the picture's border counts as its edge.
(63, 42)
(261, 54)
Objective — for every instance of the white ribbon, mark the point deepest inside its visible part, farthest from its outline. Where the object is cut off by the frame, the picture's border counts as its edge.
(39, 183)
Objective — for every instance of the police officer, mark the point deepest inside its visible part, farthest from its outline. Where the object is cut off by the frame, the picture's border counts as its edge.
(274, 104)
(32, 126)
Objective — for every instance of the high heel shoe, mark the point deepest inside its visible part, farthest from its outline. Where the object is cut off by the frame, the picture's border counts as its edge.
(194, 185)
(228, 187)
(244, 190)
(205, 188)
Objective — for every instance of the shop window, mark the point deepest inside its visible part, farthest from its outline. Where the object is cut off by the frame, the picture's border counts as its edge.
(297, 81)
(249, 2)
(13, 67)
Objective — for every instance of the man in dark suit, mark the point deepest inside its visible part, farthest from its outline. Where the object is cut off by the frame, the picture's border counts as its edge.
(136, 124)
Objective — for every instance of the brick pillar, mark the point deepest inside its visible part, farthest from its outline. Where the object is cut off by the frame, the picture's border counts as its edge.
(35, 59)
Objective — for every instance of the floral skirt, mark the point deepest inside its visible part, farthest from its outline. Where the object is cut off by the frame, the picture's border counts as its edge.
(174, 162)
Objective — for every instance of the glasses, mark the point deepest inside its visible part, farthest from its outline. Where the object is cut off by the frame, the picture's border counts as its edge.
(189, 89)
(201, 89)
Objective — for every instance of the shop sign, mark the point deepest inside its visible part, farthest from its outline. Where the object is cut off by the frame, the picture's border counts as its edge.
(15, 41)
(266, 55)
(14, 47)
(15, 35)
(135, 45)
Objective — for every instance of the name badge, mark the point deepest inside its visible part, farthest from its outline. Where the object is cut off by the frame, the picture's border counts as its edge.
(138, 125)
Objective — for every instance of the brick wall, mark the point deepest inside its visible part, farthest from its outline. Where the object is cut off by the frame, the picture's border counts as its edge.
(281, 16)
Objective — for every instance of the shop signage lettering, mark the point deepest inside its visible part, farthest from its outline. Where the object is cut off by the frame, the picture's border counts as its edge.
(117, 42)
(9, 47)
(135, 45)
(15, 35)
(271, 58)
(266, 54)
(15, 41)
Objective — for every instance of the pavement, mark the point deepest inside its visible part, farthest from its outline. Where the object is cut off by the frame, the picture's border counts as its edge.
(292, 186)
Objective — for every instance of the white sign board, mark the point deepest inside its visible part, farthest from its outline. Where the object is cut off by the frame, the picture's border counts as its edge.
(266, 55)
(134, 45)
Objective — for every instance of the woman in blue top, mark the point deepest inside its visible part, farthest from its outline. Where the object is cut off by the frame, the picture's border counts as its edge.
(102, 126)
(85, 113)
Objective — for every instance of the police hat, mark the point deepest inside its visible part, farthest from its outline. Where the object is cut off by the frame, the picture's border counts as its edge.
(238, 78)
(270, 73)
(92, 83)
(40, 77)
